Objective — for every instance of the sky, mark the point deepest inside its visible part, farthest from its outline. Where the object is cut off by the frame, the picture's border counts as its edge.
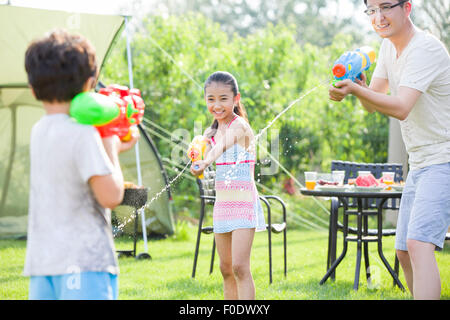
(344, 8)
(113, 6)
(88, 6)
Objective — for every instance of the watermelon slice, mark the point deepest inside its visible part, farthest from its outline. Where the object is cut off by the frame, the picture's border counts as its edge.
(366, 181)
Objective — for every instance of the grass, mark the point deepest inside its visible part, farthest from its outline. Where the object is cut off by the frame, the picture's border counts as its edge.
(168, 274)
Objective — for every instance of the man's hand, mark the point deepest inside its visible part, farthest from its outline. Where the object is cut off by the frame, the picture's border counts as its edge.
(341, 89)
(363, 81)
(345, 87)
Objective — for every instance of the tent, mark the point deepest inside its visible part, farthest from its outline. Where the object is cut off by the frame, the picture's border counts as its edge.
(19, 111)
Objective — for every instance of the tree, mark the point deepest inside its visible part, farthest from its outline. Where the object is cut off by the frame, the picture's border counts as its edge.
(315, 22)
(435, 17)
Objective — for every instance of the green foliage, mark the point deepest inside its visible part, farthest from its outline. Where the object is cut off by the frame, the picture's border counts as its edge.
(173, 56)
(182, 231)
(316, 21)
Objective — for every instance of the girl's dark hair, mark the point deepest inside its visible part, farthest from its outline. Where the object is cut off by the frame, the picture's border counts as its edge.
(59, 65)
(227, 79)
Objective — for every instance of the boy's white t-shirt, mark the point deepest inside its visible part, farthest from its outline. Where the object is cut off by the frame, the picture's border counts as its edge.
(68, 230)
(424, 65)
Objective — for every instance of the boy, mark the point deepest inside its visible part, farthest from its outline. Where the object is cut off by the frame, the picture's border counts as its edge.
(75, 179)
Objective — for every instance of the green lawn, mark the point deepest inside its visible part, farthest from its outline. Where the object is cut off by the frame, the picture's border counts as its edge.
(168, 274)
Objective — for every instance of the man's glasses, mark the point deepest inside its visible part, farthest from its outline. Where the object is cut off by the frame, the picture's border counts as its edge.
(384, 8)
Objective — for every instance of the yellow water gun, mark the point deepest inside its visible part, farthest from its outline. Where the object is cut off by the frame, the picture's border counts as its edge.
(197, 150)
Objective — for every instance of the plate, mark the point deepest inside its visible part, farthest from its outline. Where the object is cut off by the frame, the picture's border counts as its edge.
(332, 188)
(368, 189)
(397, 188)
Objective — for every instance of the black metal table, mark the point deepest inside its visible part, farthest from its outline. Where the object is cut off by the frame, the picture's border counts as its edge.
(362, 236)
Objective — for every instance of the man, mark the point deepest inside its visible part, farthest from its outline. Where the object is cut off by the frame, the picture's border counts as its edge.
(415, 67)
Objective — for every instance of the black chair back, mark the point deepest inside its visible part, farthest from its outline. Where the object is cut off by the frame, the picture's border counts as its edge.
(207, 186)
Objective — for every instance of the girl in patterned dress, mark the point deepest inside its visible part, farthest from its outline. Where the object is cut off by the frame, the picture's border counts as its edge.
(237, 209)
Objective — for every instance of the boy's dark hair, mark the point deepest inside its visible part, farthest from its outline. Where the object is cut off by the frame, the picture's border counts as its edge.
(59, 64)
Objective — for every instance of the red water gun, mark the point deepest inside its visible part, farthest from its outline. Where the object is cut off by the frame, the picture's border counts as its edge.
(113, 110)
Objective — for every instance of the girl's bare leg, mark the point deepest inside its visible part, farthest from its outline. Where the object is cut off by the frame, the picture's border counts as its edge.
(242, 240)
(223, 244)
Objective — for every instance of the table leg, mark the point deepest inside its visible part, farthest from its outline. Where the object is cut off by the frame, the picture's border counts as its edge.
(344, 251)
(136, 218)
(335, 264)
(388, 267)
(366, 249)
(359, 245)
(332, 235)
(358, 266)
(380, 245)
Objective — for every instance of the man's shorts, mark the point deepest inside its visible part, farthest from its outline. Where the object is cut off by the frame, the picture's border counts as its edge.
(74, 286)
(425, 207)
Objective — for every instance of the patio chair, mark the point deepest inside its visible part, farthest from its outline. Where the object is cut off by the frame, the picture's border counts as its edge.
(208, 196)
(351, 171)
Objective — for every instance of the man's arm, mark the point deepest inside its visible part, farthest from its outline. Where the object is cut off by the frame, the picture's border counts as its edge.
(379, 85)
(398, 106)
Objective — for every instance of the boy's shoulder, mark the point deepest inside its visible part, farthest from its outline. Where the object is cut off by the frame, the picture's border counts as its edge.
(64, 125)
(62, 119)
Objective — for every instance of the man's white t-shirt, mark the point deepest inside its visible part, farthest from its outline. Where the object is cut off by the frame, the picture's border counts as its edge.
(424, 65)
(68, 230)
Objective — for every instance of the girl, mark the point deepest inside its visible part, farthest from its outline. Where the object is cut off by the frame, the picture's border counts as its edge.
(237, 210)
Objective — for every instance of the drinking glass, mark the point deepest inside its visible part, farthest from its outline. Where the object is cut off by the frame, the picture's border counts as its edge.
(338, 176)
(388, 179)
(310, 179)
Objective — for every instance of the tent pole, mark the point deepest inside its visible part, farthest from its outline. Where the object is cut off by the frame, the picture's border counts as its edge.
(12, 154)
(136, 147)
(130, 76)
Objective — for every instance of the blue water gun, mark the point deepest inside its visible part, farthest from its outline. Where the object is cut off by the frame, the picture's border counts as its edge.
(351, 64)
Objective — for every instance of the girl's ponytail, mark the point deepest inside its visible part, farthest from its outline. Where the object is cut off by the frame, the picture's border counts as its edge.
(240, 111)
(211, 131)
